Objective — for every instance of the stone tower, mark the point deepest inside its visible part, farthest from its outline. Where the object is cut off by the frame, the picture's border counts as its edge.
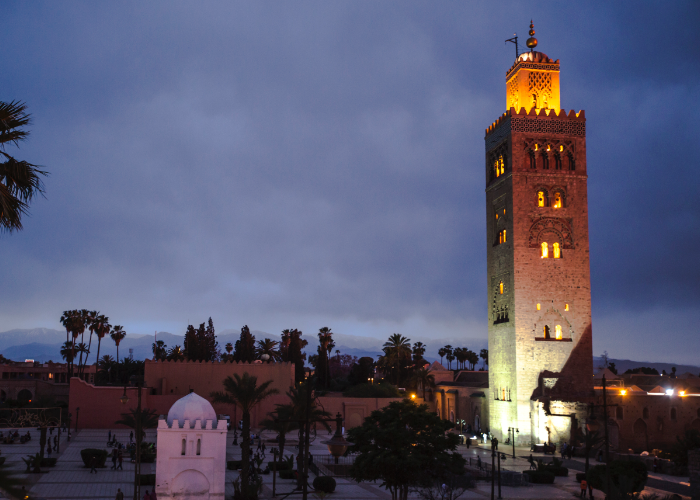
(539, 295)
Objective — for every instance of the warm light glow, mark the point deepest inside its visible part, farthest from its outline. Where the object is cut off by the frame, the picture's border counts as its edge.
(496, 215)
(557, 332)
(501, 164)
(557, 200)
(545, 250)
(548, 147)
(50, 375)
(540, 198)
(557, 251)
(413, 396)
(504, 236)
(500, 288)
(561, 148)
(681, 393)
(538, 307)
(566, 307)
(536, 146)
(623, 392)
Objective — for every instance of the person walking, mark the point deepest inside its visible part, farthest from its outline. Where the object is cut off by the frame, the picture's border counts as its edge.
(109, 436)
(93, 465)
(584, 487)
(131, 437)
(478, 461)
(120, 459)
(532, 462)
(114, 460)
(656, 464)
(120, 495)
(146, 496)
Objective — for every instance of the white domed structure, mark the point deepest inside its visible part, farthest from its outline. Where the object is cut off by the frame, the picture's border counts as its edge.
(192, 407)
(191, 459)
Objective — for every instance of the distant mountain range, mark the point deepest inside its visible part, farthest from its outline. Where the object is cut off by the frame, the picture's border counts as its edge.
(44, 344)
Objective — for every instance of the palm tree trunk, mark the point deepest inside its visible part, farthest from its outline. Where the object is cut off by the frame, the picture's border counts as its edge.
(282, 440)
(99, 341)
(89, 345)
(245, 453)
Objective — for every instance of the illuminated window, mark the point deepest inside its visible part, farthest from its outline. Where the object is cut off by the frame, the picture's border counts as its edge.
(540, 198)
(566, 307)
(534, 100)
(561, 148)
(549, 147)
(501, 236)
(545, 250)
(504, 211)
(536, 146)
(500, 288)
(501, 164)
(504, 236)
(538, 307)
(496, 215)
(546, 332)
(504, 394)
(557, 332)
(557, 200)
(556, 251)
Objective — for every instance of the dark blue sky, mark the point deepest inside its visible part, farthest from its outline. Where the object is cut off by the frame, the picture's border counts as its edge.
(305, 164)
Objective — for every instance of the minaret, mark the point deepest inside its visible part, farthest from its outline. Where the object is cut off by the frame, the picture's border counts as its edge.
(540, 344)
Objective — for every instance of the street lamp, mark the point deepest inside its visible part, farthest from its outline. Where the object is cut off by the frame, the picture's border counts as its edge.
(124, 399)
(511, 434)
(265, 357)
(337, 445)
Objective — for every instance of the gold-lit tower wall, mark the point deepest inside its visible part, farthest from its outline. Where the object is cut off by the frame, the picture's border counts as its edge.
(539, 323)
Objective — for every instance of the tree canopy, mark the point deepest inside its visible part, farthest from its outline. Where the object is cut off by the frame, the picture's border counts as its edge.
(404, 445)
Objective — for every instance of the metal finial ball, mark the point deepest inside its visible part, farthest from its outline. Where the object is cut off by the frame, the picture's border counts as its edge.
(532, 41)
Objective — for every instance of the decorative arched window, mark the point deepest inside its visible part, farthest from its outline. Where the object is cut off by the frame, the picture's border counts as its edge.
(571, 161)
(199, 446)
(557, 200)
(557, 162)
(533, 163)
(566, 307)
(540, 199)
(557, 332)
(556, 251)
(502, 236)
(545, 250)
(546, 332)
(645, 412)
(534, 100)
(184, 446)
(545, 161)
(500, 288)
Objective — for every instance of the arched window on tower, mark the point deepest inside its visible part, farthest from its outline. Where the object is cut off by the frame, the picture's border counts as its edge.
(557, 162)
(546, 332)
(534, 100)
(540, 199)
(545, 250)
(545, 161)
(571, 162)
(557, 332)
(557, 200)
(533, 163)
(556, 250)
(501, 236)
(500, 288)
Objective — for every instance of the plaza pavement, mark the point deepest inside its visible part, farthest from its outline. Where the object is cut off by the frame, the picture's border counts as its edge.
(70, 480)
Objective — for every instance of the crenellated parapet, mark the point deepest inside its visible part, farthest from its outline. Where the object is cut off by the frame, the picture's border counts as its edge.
(196, 424)
(542, 121)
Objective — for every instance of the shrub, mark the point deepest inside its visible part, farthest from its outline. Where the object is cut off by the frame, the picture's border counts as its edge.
(88, 453)
(288, 474)
(48, 462)
(559, 471)
(148, 458)
(325, 484)
(540, 476)
(630, 476)
(2, 460)
(281, 465)
(233, 464)
(147, 479)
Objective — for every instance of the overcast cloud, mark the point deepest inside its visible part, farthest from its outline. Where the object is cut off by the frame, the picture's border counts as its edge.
(302, 164)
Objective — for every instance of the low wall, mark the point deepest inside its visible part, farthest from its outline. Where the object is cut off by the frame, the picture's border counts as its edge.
(100, 407)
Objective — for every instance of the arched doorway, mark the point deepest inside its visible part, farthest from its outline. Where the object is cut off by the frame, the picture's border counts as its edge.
(640, 439)
(24, 396)
(190, 484)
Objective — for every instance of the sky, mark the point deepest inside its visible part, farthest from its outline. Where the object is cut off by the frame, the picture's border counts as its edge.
(307, 164)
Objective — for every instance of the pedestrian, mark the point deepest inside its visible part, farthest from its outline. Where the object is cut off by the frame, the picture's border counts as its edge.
(120, 459)
(153, 495)
(48, 450)
(656, 464)
(478, 461)
(120, 495)
(93, 465)
(590, 492)
(572, 452)
(131, 437)
(109, 436)
(263, 448)
(584, 487)
(532, 462)
(146, 496)
(562, 450)
(114, 460)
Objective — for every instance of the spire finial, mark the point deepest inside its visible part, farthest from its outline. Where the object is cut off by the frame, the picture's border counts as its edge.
(532, 41)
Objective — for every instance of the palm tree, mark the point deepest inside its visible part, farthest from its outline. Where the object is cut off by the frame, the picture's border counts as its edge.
(117, 335)
(101, 327)
(159, 350)
(67, 352)
(176, 354)
(20, 181)
(104, 366)
(149, 420)
(325, 339)
(268, 347)
(81, 348)
(66, 322)
(397, 349)
(448, 354)
(441, 353)
(281, 421)
(424, 378)
(245, 392)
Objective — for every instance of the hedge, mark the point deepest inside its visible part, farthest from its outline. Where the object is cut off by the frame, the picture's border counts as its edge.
(88, 453)
(288, 474)
(540, 476)
(48, 462)
(234, 464)
(284, 465)
(633, 472)
(325, 484)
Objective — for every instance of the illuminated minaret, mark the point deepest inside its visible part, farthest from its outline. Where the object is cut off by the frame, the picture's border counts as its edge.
(539, 295)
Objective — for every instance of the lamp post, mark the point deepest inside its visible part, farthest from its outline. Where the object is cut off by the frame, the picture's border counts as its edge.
(337, 445)
(511, 435)
(137, 466)
(77, 414)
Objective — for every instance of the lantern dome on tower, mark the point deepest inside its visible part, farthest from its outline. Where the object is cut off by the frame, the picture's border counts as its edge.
(191, 407)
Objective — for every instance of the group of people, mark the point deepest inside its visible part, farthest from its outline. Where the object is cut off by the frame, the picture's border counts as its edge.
(11, 436)
(146, 496)
(567, 451)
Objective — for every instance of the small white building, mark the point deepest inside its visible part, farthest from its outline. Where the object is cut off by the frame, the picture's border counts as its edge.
(191, 461)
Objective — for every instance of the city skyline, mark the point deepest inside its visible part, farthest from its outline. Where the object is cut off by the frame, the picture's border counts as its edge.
(322, 165)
